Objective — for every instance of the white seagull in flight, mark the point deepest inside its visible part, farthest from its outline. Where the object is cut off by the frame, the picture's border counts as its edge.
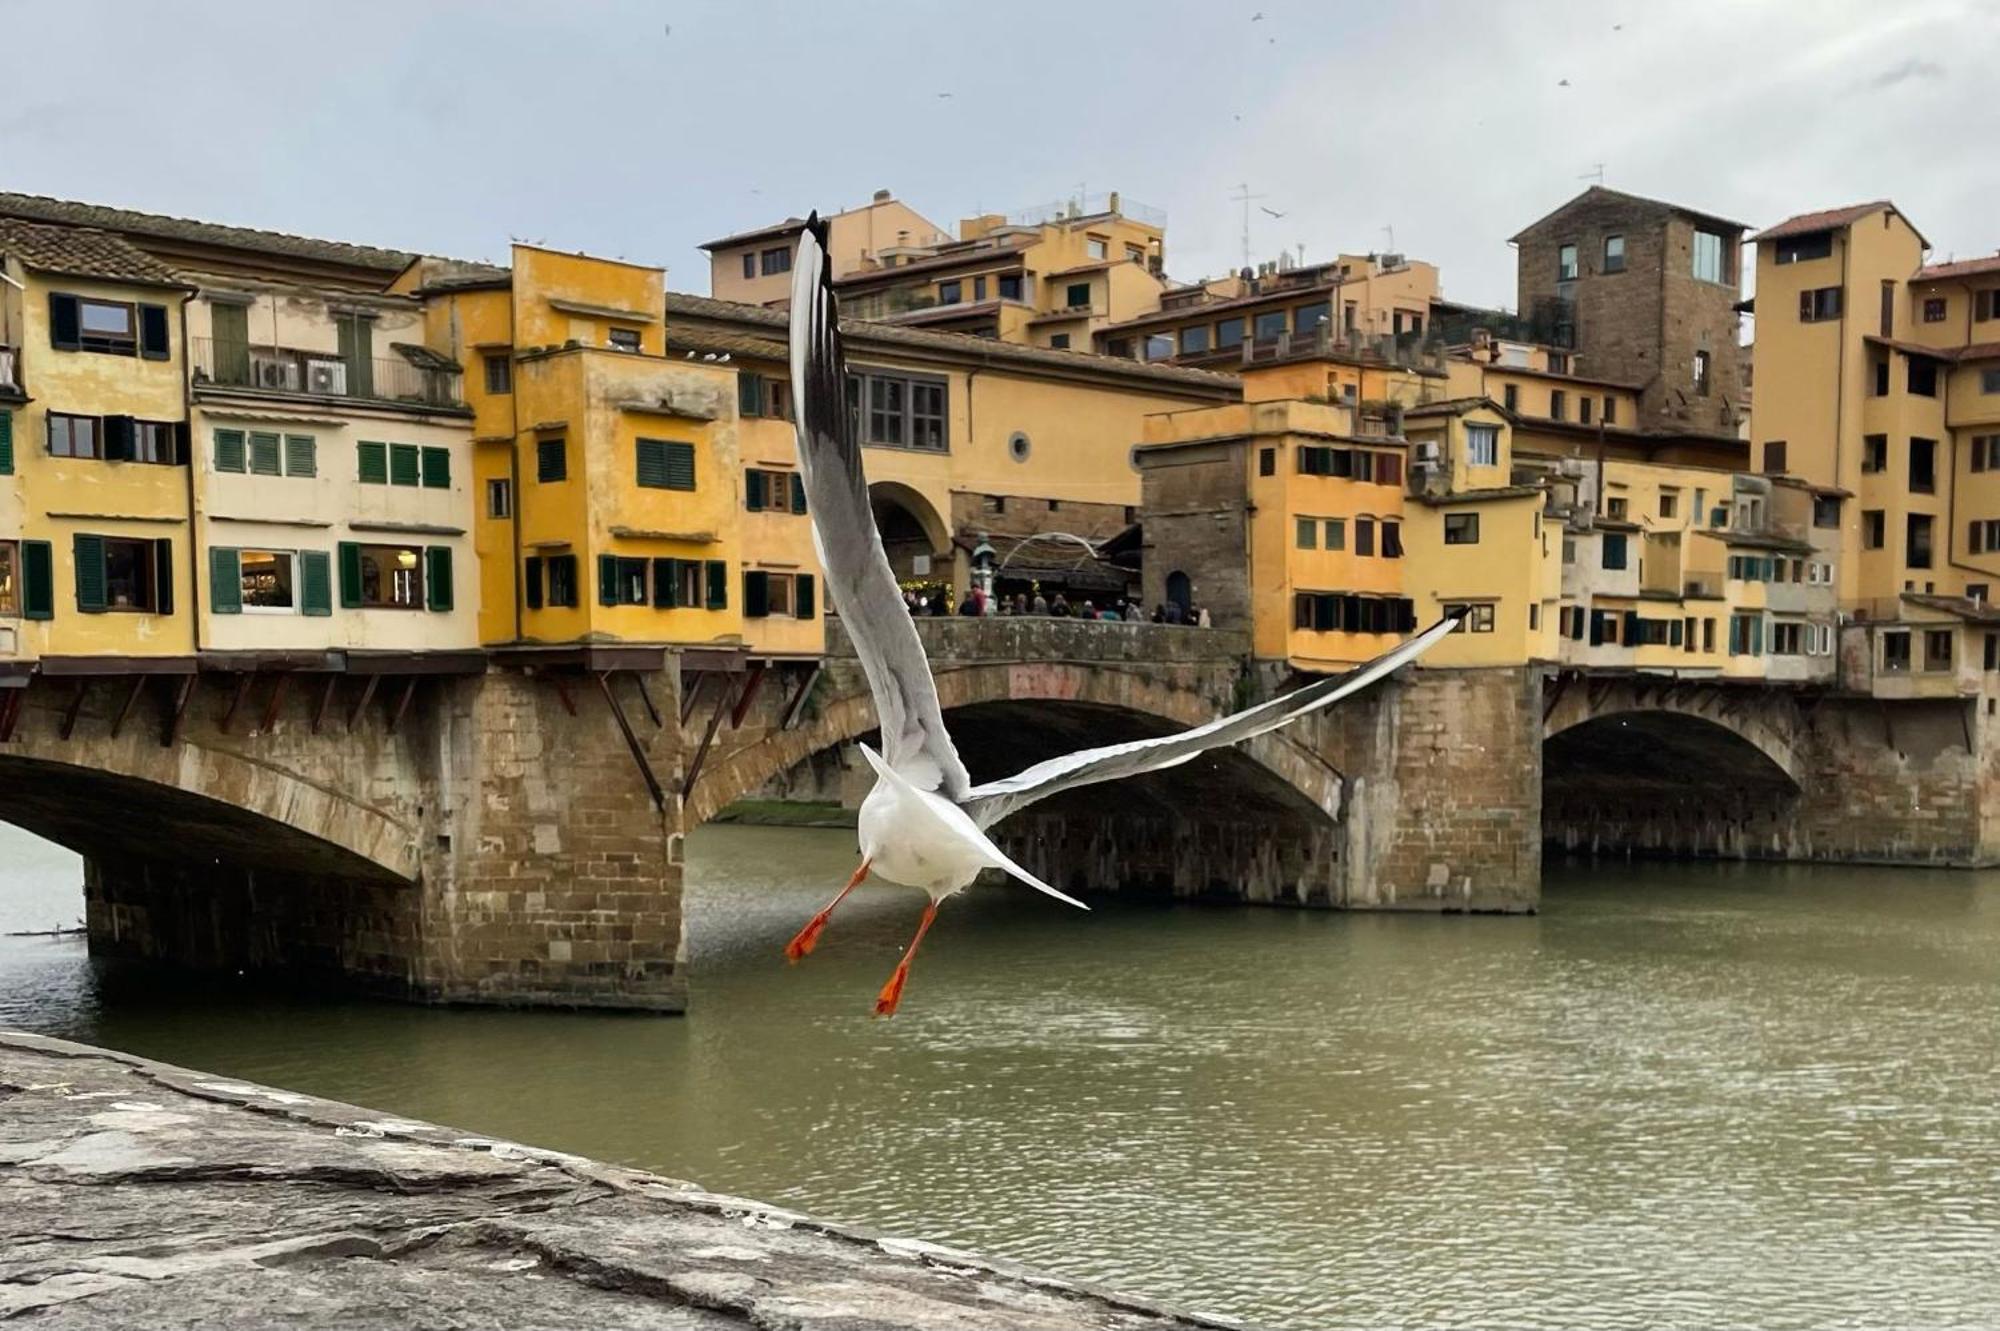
(924, 823)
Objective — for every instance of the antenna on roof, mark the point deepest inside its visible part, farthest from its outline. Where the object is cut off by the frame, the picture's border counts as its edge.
(1595, 173)
(1246, 198)
(1390, 232)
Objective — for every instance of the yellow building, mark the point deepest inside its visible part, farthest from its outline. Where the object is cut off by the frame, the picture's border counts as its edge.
(755, 267)
(95, 564)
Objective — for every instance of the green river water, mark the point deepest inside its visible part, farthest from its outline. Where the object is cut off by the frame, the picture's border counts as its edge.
(1681, 1096)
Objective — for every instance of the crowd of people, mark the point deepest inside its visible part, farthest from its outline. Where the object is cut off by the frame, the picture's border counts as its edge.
(976, 603)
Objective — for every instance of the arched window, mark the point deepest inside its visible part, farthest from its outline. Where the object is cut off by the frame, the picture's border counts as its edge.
(1180, 590)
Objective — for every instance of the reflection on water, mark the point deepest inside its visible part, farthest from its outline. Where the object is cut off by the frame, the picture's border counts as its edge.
(1683, 1095)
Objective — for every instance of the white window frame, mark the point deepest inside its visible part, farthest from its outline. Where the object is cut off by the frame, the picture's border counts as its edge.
(297, 591)
(1482, 445)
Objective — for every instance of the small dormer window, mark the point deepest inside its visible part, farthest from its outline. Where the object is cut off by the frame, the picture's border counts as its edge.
(624, 339)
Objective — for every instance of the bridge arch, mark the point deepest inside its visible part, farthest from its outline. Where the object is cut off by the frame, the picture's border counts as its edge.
(910, 525)
(1701, 710)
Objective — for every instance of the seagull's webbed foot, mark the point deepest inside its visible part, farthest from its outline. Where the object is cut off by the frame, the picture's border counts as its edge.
(807, 938)
(891, 996)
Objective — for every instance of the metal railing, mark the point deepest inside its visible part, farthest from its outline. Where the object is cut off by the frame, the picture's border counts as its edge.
(289, 370)
(1089, 205)
(1411, 350)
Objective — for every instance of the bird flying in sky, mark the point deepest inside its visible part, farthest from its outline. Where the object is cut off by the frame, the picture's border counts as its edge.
(924, 824)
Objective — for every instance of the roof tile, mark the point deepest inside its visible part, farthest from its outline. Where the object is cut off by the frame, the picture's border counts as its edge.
(82, 252)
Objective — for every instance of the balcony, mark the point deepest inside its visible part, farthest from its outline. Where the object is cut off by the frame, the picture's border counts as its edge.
(1409, 350)
(290, 371)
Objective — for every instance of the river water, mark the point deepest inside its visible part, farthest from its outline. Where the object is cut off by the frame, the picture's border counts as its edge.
(1681, 1096)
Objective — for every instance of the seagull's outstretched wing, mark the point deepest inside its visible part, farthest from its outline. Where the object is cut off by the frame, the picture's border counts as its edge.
(859, 581)
(989, 803)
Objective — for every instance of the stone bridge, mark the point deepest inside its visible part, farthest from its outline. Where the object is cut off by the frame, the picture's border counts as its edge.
(507, 827)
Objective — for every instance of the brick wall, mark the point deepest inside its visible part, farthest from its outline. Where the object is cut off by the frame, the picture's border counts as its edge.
(1197, 521)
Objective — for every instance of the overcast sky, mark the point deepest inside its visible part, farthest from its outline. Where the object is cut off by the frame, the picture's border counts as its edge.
(642, 130)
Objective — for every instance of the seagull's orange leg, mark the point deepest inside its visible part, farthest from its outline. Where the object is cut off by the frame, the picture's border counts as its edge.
(807, 938)
(892, 992)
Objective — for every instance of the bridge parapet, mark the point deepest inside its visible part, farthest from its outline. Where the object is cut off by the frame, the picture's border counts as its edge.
(1045, 638)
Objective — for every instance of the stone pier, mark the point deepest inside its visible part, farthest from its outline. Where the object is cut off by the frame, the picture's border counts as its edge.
(133, 1193)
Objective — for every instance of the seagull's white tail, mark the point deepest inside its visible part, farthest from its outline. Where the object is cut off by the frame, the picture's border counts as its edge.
(959, 824)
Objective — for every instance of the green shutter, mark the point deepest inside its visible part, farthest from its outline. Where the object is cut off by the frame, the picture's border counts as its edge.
(404, 465)
(374, 459)
(315, 582)
(718, 585)
(802, 604)
(38, 580)
(301, 455)
(531, 582)
(225, 581)
(756, 594)
(65, 322)
(798, 492)
(680, 466)
(6, 443)
(163, 576)
(437, 577)
(665, 589)
(350, 575)
(229, 328)
(265, 459)
(607, 579)
(754, 485)
(89, 555)
(154, 343)
(749, 394)
(551, 460)
(357, 338)
(652, 469)
(229, 454)
(437, 469)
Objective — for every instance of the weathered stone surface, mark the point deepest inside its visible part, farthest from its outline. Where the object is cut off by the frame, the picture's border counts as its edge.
(133, 1193)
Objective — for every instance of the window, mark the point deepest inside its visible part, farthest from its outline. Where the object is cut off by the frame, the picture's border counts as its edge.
(1307, 318)
(1983, 537)
(1874, 452)
(1307, 533)
(78, 323)
(1986, 305)
(1157, 346)
(665, 464)
(1461, 529)
(1610, 410)
(901, 412)
(978, 289)
(1076, 296)
(1917, 541)
(1670, 502)
(1392, 538)
(1059, 341)
(1614, 550)
(1788, 638)
(551, 461)
(1482, 445)
(1010, 286)
(1566, 263)
(622, 339)
(750, 263)
(1134, 254)
(1364, 536)
(266, 581)
(1617, 506)
(1614, 254)
(1874, 529)
(952, 292)
(1558, 404)
(1826, 511)
(1896, 651)
(1229, 333)
(1701, 373)
(1336, 534)
(499, 373)
(1923, 466)
(1194, 340)
(1798, 249)
(1937, 649)
(1475, 618)
(562, 580)
(1348, 612)
(1583, 404)
(621, 580)
(1709, 265)
(776, 261)
(1989, 381)
(1269, 326)
(777, 595)
(1120, 347)
(1097, 248)
(500, 498)
(112, 573)
(1923, 376)
(1819, 304)
(1934, 309)
(72, 436)
(1746, 635)
(1510, 397)
(1774, 457)
(773, 491)
(382, 577)
(1267, 462)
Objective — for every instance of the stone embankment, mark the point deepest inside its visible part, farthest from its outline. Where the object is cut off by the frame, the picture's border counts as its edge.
(133, 1193)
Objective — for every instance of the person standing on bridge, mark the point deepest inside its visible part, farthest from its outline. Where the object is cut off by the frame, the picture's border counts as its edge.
(1040, 605)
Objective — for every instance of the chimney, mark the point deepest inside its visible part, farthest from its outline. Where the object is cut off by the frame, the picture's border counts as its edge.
(882, 196)
(1114, 201)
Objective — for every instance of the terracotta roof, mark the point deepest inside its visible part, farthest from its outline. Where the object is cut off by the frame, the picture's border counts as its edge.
(1978, 612)
(868, 334)
(1913, 348)
(1757, 540)
(1559, 377)
(1095, 266)
(1486, 496)
(709, 341)
(1451, 406)
(424, 358)
(791, 226)
(1827, 219)
(1937, 272)
(1204, 308)
(37, 208)
(1979, 351)
(82, 252)
(1600, 192)
(956, 258)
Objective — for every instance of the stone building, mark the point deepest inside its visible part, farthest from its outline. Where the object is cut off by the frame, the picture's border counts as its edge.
(1645, 293)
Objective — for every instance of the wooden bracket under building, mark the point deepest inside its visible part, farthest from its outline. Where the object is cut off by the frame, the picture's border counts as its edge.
(125, 708)
(274, 703)
(797, 705)
(325, 701)
(562, 692)
(172, 733)
(722, 704)
(10, 711)
(235, 701)
(748, 696)
(1555, 695)
(75, 706)
(632, 741)
(361, 703)
(646, 697)
(690, 695)
(403, 702)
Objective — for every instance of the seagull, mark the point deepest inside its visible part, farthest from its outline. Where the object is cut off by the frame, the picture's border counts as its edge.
(924, 824)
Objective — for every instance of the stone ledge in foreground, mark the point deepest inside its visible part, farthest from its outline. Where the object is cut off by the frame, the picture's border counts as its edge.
(134, 1193)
